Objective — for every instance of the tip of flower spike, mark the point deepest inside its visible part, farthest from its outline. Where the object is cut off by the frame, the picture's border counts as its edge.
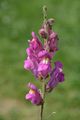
(51, 21)
(44, 8)
(45, 12)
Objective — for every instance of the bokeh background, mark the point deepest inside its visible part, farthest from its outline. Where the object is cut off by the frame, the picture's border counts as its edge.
(17, 19)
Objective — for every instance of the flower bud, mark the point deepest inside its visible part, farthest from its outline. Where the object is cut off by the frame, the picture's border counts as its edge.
(43, 33)
(53, 42)
(50, 22)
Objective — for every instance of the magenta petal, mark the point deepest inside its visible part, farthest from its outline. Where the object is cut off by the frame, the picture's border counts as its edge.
(44, 54)
(28, 65)
(34, 35)
(32, 86)
(35, 44)
(58, 64)
(29, 52)
(28, 96)
(36, 100)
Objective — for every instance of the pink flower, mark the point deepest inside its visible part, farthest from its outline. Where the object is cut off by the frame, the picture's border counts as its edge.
(28, 64)
(56, 76)
(44, 68)
(34, 95)
(35, 44)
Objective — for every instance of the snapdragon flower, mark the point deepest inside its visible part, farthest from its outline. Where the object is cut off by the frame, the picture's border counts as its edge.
(39, 61)
(56, 76)
(34, 95)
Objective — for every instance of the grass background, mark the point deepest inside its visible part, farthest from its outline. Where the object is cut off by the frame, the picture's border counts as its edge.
(17, 19)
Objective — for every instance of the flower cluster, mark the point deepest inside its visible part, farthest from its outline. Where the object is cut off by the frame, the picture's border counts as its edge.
(39, 61)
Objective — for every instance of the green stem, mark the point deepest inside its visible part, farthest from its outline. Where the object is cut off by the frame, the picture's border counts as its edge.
(45, 25)
(42, 106)
(43, 82)
(45, 17)
(45, 13)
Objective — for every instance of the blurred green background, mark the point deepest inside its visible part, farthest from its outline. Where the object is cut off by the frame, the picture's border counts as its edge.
(18, 18)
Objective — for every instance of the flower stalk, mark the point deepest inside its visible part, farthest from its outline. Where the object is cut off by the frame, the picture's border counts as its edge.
(44, 91)
(43, 82)
(39, 62)
(45, 13)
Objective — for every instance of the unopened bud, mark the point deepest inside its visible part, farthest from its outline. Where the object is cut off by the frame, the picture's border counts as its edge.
(43, 33)
(50, 22)
(53, 35)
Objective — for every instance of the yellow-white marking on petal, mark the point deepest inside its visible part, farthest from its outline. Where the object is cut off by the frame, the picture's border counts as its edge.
(45, 60)
(60, 69)
(31, 91)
